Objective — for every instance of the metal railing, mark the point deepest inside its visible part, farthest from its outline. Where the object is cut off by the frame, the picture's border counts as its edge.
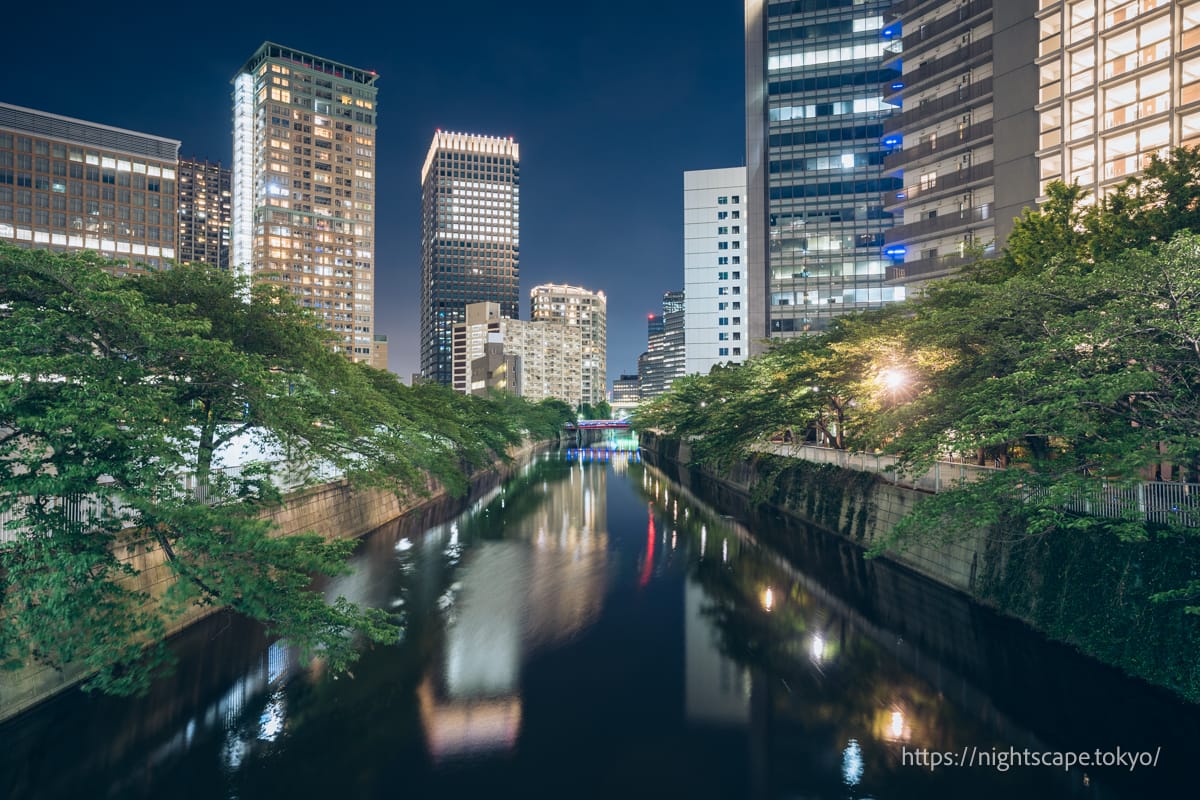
(1161, 502)
(943, 475)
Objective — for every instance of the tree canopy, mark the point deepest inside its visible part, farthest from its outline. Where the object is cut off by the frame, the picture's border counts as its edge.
(1075, 355)
(117, 398)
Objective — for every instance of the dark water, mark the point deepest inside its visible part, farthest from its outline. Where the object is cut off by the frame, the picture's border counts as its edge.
(593, 630)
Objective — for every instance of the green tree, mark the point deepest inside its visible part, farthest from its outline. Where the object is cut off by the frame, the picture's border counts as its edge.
(116, 399)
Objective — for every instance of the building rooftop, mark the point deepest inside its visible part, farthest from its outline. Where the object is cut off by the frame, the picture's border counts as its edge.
(69, 129)
(337, 69)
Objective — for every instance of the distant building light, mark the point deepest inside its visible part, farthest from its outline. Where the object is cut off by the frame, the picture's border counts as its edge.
(896, 252)
(897, 86)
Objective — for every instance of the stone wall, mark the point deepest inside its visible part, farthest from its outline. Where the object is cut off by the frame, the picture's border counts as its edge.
(333, 507)
(1086, 588)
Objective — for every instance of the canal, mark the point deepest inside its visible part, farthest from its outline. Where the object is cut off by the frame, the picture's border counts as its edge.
(592, 629)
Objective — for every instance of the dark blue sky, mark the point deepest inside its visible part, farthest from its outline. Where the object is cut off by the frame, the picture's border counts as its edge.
(610, 102)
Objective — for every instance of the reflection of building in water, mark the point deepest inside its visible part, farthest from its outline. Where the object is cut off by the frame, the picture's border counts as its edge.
(717, 688)
(537, 588)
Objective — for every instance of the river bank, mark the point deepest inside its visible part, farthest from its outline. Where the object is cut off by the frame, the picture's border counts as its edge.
(336, 508)
(1091, 592)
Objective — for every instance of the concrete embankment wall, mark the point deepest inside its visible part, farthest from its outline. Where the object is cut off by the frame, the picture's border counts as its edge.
(335, 509)
(1090, 590)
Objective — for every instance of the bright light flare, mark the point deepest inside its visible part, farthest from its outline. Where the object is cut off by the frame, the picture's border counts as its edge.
(893, 379)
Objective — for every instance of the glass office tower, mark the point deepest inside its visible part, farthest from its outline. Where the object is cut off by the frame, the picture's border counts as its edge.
(815, 146)
(470, 238)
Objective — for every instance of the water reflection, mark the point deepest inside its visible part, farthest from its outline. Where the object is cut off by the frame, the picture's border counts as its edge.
(590, 625)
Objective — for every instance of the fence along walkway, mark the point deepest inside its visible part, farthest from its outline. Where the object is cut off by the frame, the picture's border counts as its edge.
(1162, 502)
(223, 485)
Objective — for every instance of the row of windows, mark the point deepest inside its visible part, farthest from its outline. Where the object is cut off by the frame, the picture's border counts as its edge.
(806, 6)
(822, 135)
(857, 105)
(824, 29)
(724, 321)
(724, 276)
(724, 351)
(821, 163)
(824, 82)
(724, 305)
(729, 215)
(838, 187)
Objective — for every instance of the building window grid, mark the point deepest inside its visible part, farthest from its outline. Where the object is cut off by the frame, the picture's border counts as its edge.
(1125, 117)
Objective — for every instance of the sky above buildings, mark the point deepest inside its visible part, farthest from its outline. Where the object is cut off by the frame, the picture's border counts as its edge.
(610, 103)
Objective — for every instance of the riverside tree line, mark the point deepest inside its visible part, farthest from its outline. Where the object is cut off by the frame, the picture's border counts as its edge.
(116, 397)
(1073, 356)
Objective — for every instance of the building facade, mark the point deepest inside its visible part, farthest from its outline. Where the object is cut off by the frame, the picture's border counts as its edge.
(588, 310)
(626, 394)
(665, 354)
(714, 276)
(205, 213)
(963, 144)
(815, 121)
(470, 238)
(536, 360)
(68, 185)
(1118, 82)
(304, 186)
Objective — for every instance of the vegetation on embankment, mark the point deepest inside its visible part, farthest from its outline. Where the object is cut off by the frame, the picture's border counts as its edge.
(117, 396)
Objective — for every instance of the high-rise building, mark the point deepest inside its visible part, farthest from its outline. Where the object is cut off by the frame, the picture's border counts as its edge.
(664, 358)
(67, 184)
(470, 238)
(714, 236)
(815, 122)
(572, 305)
(964, 143)
(205, 212)
(304, 186)
(1117, 83)
(626, 393)
(536, 360)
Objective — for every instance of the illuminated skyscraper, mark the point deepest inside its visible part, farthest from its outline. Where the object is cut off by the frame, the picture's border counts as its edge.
(470, 238)
(205, 212)
(304, 186)
(815, 121)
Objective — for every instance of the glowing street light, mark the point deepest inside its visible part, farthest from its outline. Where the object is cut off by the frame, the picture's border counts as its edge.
(893, 379)
(768, 599)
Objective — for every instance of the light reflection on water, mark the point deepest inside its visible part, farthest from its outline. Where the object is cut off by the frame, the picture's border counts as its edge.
(559, 628)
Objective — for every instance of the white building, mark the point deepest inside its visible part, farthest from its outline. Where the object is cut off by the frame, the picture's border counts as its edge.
(553, 302)
(714, 246)
(546, 357)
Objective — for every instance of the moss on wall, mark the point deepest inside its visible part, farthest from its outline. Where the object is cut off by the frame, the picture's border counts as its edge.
(1086, 588)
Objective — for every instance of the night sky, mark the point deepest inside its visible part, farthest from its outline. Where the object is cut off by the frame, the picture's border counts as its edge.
(610, 103)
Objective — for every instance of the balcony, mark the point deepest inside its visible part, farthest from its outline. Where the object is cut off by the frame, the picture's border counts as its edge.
(944, 183)
(927, 269)
(971, 135)
(961, 17)
(938, 225)
(971, 55)
(929, 111)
